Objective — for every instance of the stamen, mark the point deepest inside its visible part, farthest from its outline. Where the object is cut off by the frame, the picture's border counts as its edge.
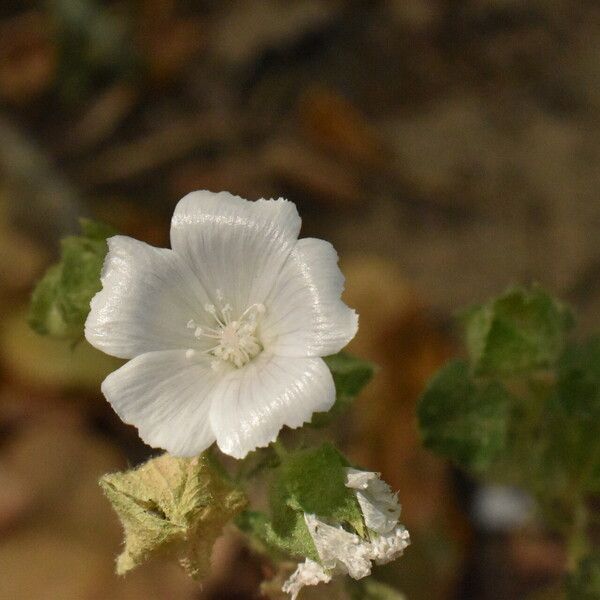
(237, 343)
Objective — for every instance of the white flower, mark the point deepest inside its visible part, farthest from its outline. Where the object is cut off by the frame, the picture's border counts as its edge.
(224, 331)
(342, 552)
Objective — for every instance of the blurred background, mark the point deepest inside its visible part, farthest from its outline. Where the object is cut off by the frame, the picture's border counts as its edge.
(447, 148)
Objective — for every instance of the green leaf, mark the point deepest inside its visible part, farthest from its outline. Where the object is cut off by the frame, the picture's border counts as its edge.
(45, 315)
(291, 538)
(172, 505)
(309, 481)
(314, 481)
(579, 380)
(350, 375)
(521, 330)
(574, 438)
(584, 584)
(463, 419)
(61, 301)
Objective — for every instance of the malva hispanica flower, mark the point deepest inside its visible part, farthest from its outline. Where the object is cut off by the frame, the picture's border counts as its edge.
(344, 553)
(226, 330)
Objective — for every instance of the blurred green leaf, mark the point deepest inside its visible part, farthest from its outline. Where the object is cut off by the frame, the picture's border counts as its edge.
(584, 584)
(350, 375)
(576, 433)
(61, 301)
(579, 380)
(521, 330)
(95, 45)
(464, 419)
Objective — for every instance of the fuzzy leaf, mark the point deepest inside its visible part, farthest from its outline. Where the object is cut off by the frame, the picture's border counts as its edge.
(314, 481)
(350, 375)
(309, 481)
(292, 537)
(584, 584)
(521, 330)
(61, 301)
(463, 419)
(172, 505)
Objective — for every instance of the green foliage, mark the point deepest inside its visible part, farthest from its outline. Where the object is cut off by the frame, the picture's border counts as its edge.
(314, 481)
(291, 537)
(525, 410)
(521, 330)
(309, 481)
(464, 419)
(584, 584)
(350, 375)
(95, 46)
(61, 301)
(579, 380)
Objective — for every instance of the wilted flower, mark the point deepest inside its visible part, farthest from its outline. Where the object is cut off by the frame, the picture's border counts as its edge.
(342, 552)
(226, 330)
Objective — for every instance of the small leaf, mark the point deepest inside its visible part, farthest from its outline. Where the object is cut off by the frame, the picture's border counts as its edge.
(172, 505)
(521, 330)
(350, 375)
(584, 584)
(463, 419)
(311, 481)
(45, 314)
(61, 301)
(314, 481)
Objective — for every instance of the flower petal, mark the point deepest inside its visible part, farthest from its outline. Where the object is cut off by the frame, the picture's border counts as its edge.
(378, 503)
(167, 397)
(305, 313)
(234, 245)
(339, 549)
(253, 403)
(148, 296)
(308, 572)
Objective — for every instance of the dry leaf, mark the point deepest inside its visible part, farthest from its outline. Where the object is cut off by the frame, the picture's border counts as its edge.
(173, 505)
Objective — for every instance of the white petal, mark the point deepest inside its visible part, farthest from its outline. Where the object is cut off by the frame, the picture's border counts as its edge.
(378, 503)
(308, 573)
(338, 549)
(253, 403)
(148, 295)
(386, 548)
(359, 480)
(305, 313)
(167, 397)
(234, 245)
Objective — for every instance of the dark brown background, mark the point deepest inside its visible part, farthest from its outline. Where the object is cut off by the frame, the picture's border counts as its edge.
(446, 148)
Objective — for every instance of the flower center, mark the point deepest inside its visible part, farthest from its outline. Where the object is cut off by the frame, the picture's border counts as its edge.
(236, 340)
